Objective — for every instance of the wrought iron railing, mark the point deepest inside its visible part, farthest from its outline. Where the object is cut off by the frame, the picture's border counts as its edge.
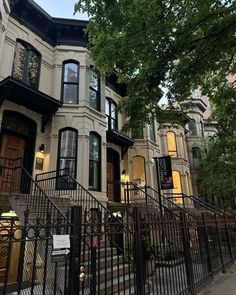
(107, 240)
(19, 183)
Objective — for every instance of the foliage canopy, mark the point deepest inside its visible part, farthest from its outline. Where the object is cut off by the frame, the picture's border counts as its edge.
(177, 45)
(174, 44)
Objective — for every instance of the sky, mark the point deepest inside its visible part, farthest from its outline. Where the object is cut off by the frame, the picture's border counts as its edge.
(60, 8)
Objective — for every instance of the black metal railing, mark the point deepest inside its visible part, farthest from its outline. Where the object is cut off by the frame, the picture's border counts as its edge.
(106, 239)
(19, 183)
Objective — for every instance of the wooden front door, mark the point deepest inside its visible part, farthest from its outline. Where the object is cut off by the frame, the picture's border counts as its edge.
(12, 147)
(110, 182)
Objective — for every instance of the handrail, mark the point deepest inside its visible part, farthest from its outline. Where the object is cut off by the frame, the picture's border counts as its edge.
(51, 202)
(77, 192)
(23, 184)
(213, 205)
(195, 200)
(183, 209)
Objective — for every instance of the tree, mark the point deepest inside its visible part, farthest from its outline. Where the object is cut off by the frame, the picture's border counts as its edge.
(174, 44)
(178, 45)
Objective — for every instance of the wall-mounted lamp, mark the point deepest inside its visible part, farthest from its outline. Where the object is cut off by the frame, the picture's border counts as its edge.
(41, 148)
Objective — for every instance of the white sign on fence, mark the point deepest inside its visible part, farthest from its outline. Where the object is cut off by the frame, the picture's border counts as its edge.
(61, 241)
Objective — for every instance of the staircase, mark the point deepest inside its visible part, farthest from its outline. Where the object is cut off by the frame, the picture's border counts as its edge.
(106, 252)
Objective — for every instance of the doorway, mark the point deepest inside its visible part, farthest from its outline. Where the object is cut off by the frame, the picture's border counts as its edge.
(17, 141)
(113, 176)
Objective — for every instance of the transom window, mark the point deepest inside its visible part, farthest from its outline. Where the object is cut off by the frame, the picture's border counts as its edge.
(70, 82)
(26, 64)
(94, 161)
(94, 90)
(111, 114)
(171, 144)
(67, 152)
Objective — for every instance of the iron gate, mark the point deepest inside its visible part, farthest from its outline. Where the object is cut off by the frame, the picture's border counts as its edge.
(27, 261)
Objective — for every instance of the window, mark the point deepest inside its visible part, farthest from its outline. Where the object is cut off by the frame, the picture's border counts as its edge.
(137, 133)
(151, 128)
(171, 144)
(94, 90)
(202, 128)
(187, 184)
(111, 114)
(67, 152)
(70, 82)
(177, 190)
(26, 64)
(94, 161)
(197, 156)
(192, 127)
(139, 170)
(182, 146)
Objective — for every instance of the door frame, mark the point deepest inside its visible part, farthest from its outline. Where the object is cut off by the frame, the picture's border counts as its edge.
(30, 138)
(114, 157)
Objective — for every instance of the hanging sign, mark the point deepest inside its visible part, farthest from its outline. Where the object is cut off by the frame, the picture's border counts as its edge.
(165, 172)
(61, 241)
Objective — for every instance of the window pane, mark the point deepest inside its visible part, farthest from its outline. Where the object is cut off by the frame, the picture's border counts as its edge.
(19, 61)
(93, 99)
(113, 124)
(94, 148)
(152, 131)
(197, 157)
(107, 110)
(68, 144)
(71, 72)
(171, 144)
(177, 190)
(70, 93)
(93, 175)
(93, 80)
(137, 133)
(33, 69)
(68, 164)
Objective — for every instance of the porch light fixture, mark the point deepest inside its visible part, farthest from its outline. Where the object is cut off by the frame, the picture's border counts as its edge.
(41, 148)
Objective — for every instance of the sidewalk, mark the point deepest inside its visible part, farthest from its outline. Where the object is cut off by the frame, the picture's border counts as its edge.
(224, 284)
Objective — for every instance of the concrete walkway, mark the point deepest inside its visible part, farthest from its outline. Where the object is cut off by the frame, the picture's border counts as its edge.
(224, 284)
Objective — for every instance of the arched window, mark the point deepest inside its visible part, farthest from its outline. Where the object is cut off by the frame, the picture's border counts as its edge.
(70, 82)
(26, 64)
(111, 114)
(177, 190)
(197, 156)
(192, 127)
(171, 144)
(139, 170)
(94, 90)
(67, 150)
(94, 161)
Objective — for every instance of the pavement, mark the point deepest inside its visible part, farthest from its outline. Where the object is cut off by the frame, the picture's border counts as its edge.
(223, 284)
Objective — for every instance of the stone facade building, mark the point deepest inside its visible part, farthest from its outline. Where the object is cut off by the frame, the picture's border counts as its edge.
(56, 112)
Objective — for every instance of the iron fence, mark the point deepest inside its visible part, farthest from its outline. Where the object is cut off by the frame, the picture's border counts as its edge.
(28, 265)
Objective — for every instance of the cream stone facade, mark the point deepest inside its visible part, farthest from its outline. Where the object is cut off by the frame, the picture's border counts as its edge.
(61, 46)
